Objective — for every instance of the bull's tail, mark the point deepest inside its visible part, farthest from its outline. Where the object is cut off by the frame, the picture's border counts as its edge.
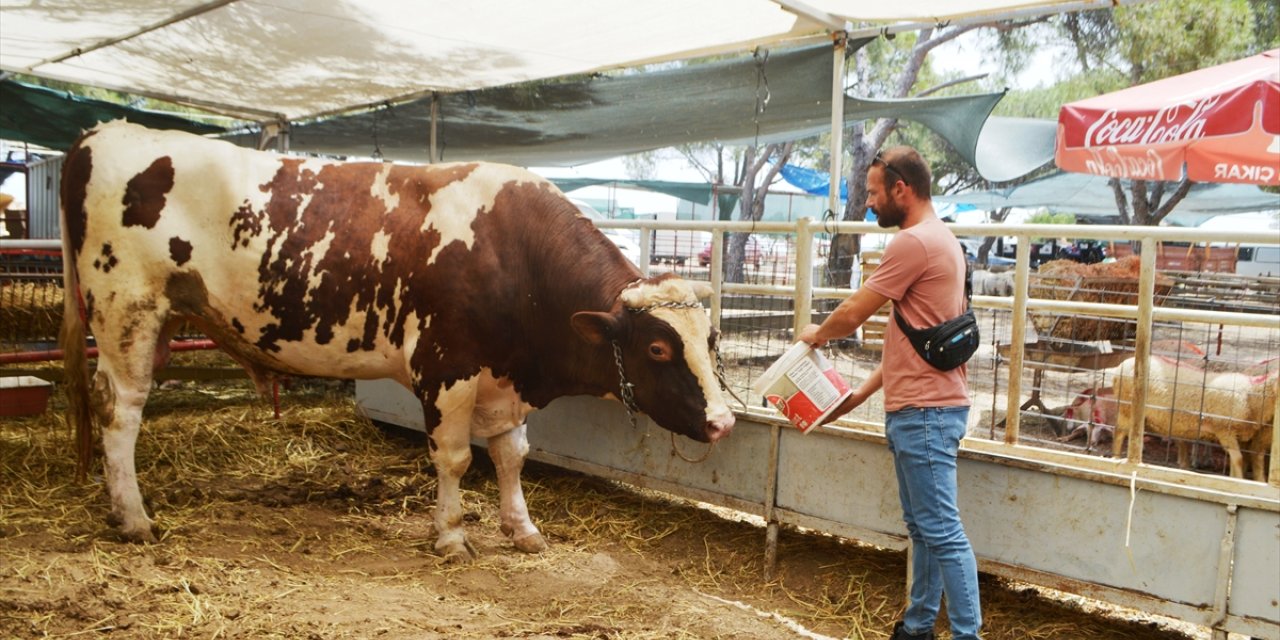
(75, 364)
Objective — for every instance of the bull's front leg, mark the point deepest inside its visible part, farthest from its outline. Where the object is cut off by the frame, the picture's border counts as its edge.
(508, 451)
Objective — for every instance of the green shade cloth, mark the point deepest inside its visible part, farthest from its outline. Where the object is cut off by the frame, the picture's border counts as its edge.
(1090, 196)
(692, 191)
(764, 98)
(1010, 148)
(580, 120)
(54, 119)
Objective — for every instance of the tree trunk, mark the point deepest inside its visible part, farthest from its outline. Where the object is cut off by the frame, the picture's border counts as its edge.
(984, 251)
(1147, 207)
(847, 247)
(751, 207)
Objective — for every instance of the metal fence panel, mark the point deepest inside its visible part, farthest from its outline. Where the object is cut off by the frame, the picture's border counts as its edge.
(44, 178)
(1080, 529)
(843, 480)
(1255, 588)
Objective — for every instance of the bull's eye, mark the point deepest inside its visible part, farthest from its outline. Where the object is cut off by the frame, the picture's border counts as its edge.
(660, 352)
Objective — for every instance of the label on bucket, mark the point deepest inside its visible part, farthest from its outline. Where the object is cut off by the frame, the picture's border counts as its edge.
(804, 386)
(820, 390)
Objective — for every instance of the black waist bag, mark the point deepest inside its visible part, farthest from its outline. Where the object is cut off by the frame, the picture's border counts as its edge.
(947, 345)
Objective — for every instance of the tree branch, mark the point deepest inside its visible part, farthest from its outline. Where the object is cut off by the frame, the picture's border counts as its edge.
(1157, 194)
(1014, 25)
(1184, 187)
(784, 154)
(930, 42)
(952, 83)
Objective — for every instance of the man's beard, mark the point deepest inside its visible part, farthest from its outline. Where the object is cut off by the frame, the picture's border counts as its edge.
(891, 215)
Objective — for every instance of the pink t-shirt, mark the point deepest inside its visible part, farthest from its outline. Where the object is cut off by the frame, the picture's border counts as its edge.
(922, 271)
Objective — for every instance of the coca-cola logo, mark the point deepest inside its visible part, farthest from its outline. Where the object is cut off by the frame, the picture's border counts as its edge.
(1171, 124)
(1111, 163)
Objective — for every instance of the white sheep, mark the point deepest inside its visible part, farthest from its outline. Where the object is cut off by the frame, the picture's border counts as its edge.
(1226, 408)
(1092, 415)
(991, 283)
(1262, 408)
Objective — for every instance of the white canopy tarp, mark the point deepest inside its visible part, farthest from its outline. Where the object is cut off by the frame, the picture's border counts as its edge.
(289, 59)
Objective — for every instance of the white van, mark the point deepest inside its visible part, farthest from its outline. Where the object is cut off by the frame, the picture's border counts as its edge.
(1258, 260)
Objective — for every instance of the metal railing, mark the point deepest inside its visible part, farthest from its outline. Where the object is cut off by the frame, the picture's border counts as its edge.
(800, 289)
(1144, 314)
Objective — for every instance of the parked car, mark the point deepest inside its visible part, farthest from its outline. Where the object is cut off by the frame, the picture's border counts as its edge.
(754, 254)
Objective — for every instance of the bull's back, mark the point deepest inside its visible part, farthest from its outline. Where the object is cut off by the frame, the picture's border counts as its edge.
(155, 197)
(305, 266)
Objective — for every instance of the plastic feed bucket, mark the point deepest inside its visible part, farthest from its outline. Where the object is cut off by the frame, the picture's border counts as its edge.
(804, 386)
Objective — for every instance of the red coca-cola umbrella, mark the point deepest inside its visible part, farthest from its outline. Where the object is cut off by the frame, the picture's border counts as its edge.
(1222, 123)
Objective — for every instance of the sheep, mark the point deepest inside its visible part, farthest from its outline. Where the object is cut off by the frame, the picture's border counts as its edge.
(991, 283)
(1178, 407)
(1262, 410)
(1093, 415)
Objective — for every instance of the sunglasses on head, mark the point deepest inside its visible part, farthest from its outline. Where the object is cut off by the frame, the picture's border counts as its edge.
(880, 159)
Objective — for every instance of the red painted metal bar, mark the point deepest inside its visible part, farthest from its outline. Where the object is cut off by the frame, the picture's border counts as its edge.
(92, 352)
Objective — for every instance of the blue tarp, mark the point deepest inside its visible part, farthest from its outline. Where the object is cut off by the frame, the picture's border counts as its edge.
(812, 181)
(818, 183)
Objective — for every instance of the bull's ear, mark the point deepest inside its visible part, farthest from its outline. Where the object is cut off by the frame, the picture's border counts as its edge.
(702, 290)
(596, 327)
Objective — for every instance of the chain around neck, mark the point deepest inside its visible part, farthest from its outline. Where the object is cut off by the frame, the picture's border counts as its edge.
(664, 305)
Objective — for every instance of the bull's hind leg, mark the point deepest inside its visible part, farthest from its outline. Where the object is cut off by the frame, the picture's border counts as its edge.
(450, 449)
(508, 451)
(120, 388)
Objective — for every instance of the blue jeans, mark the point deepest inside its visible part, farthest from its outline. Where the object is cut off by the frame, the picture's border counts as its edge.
(924, 443)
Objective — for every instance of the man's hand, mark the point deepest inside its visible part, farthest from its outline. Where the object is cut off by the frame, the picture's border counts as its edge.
(854, 400)
(809, 336)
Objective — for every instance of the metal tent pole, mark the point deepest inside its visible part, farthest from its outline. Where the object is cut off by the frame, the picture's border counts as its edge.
(837, 119)
(434, 155)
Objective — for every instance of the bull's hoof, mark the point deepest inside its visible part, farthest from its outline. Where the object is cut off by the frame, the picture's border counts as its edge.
(139, 535)
(457, 552)
(458, 557)
(533, 543)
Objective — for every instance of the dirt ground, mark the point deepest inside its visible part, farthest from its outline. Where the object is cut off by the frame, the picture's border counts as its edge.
(317, 525)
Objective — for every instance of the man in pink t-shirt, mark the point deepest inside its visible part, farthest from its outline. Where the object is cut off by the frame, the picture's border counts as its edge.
(926, 410)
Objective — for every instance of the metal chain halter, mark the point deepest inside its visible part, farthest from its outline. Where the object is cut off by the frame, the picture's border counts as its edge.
(665, 305)
(625, 391)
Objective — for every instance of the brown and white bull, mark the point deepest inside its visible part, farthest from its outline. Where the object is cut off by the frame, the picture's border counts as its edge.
(477, 286)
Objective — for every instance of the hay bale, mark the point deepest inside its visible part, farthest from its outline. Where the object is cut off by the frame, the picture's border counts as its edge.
(30, 311)
(1104, 282)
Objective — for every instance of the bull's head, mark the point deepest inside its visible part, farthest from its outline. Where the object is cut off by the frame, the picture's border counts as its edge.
(664, 349)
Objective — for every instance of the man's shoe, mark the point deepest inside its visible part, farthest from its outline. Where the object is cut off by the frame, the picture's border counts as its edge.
(900, 633)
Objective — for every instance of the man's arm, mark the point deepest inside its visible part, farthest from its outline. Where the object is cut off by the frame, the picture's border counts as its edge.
(845, 319)
(869, 386)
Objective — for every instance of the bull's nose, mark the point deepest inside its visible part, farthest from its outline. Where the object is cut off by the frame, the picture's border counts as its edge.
(719, 427)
